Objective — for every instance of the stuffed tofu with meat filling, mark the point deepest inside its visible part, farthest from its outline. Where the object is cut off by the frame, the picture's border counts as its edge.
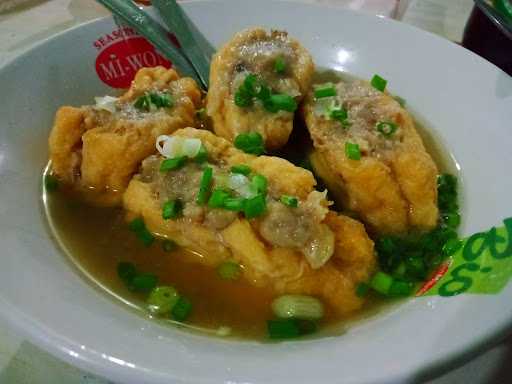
(226, 205)
(370, 156)
(256, 82)
(98, 148)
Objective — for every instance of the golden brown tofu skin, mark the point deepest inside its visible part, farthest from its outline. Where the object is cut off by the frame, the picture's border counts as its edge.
(255, 51)
(97, 150)
(392, 188)
(277, 249)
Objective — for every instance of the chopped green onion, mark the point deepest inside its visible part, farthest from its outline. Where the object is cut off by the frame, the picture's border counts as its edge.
(144, 282)
(181, 310)
(146, 237)
(252, 84)
(143, 103)
(202, 155)
(137, 225)
(217, 198)
(234, 204)
(298, 307)
(204, 186)
(229, 270)
(325, 90)
(386, 128)
(251, 142)
(381, 282)
(171, 164)
(279, 65)
(400, 270)
(149, 101)
(242, 98)
(447, 193)
(280, 102)
(259, 183)
(162, 299)
(379, 83)
(169, 245)
(241, 169)
(400, 101)
(451, 220)
(416, 268)
(171, 209)
(338, 113)
(400, 288)
(289, 328)
(290, 201)
(162, 100)
(51, 183)
(362, 289)
(139, 228)
(254, 206)
(452, 246)
(126, 271)
(352, 151)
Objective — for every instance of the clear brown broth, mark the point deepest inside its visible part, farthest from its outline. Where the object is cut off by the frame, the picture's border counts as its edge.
(96, 239)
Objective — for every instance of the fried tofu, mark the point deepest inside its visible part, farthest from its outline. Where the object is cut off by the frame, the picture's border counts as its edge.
(283, 268)
(393, 187)
(96, 150)
(256, 51)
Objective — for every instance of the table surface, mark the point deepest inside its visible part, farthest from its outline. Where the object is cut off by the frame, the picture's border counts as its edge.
(21, 26)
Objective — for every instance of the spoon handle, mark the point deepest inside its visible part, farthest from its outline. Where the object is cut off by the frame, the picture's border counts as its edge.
(152, 31)
(175, 19)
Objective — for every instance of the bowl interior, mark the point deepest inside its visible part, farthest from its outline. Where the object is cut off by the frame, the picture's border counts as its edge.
(466, 101)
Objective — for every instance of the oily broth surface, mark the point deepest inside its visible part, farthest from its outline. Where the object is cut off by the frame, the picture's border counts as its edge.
(97, 239)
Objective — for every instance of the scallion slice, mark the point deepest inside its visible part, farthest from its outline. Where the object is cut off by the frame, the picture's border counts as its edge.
(182, 309)
(298, 307)
(325, 90)
(362, 289)
(386, 128)
(280, 102)
(400, 288)
(381, 282)
(144, 282)
(204, 186)
(279, 65)
(202, 155)
(139, 228)
(162, 299)
(242, 98)
(290, 201)
(172, 164)
(234, 204)
(171, 209)
(255, 206)
(229, 270)
(252, 85)
(379, 83)
(126, 271)
(289, 328)
(352, 151)
(217, 198)
(251, 142)
(259, 183)
(241, 169)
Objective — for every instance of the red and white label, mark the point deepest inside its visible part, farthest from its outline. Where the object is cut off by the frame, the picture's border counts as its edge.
(122, 53)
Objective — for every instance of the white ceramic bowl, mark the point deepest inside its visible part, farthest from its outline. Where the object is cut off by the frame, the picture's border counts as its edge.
(466, 100)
